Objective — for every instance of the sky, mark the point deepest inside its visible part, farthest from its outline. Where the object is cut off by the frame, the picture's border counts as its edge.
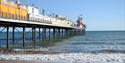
(97, 14)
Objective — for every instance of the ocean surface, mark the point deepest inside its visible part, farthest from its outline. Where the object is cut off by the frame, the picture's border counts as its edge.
(93, 42)
(94, 47)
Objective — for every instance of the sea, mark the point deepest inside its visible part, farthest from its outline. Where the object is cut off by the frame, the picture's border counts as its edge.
(93, 42)
(93, 47)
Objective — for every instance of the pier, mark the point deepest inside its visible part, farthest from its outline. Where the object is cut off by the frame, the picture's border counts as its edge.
(33, 26)
(46, 31)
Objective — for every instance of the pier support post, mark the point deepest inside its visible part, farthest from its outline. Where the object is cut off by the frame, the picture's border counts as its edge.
(13, 35)
(33, 35)
(23, 36)
(62, 32)
(66, 33)
(75, 31)
(7, 36)
(54, 31)
(70, 32)
(49, 34)
(39, 33)
(78, 32)
(84, 32)
(59, 33)
(45, 35)
(43, 30)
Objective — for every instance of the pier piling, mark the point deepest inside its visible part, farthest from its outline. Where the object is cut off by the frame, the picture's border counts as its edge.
(33, 36)
(49, 34)
(54, 31)
(7, 43)
(39, 33)
(13, 34)
(23, 36)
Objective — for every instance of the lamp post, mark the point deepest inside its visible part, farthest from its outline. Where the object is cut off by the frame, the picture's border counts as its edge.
(33, 12)
(43, 13)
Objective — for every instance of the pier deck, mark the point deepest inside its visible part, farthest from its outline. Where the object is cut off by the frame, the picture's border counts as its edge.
(30, 23)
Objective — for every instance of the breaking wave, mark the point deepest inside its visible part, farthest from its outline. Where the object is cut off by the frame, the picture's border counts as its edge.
(69, 57)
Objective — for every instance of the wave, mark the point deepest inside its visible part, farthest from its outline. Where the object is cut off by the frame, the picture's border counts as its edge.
(108, 51)
(98, 43)
(68, 57)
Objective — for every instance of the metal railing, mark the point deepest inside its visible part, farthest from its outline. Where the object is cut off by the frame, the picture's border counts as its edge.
(6, 15)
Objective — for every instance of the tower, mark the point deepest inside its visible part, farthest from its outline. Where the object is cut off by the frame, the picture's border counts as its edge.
(80, 22)
(18, 2)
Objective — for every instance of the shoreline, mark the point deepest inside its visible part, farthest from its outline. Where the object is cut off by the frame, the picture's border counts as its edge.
(66, 58)
(5, 61)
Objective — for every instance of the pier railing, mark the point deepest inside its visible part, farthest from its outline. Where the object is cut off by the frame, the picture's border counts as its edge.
(43, 19)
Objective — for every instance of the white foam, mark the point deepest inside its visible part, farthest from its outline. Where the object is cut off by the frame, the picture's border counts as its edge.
(68, 58)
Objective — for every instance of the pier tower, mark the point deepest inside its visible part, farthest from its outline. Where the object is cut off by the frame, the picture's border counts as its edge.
(80, 25)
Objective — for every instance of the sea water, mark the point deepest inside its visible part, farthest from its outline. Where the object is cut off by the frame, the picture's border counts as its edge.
(94, 47)
(93, 42)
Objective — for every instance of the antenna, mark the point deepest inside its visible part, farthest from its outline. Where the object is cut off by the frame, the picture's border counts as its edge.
(81, 15)
(18, 2)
